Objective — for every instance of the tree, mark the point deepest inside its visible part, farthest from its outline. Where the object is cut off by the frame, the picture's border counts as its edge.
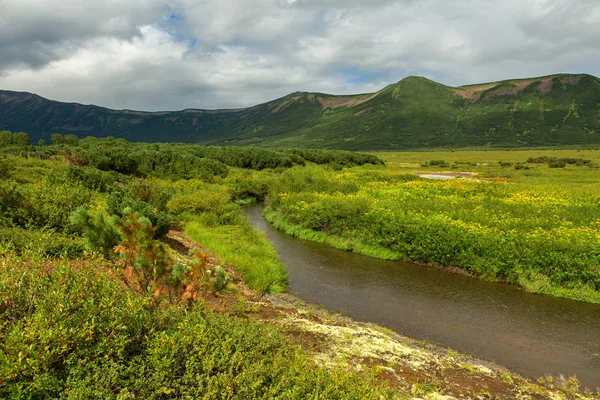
(57, 138)
(100, 233)
(71, 140)
(6, 138)
(21, 139)
(41, 142)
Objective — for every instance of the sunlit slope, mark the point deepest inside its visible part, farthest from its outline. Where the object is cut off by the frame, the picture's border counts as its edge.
(413, 113)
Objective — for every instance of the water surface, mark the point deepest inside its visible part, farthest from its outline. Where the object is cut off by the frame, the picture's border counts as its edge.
(528, 333)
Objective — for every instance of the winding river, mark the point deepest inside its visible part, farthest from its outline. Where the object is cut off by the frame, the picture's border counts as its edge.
(530, 334)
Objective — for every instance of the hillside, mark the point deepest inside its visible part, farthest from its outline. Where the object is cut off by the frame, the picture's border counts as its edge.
(413, 113)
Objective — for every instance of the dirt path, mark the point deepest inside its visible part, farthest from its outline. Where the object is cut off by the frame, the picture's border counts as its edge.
(413, 367)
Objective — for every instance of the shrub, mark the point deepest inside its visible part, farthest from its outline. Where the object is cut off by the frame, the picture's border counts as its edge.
(143, 198)
(21, 139)
(141, 255)
(199, 201)
(441, 163)
(92, 178)
(6, 138)
(50, 204)
(54, 322)
(557, 164)
(7, 167)
(42, 243)
(12, 203)
(99, 233)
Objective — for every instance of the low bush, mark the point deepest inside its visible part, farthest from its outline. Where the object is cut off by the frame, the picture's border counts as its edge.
(144, 198)
(74, 332)
(39, 243)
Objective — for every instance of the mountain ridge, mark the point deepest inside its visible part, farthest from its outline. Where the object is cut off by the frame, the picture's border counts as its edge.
(558, 109)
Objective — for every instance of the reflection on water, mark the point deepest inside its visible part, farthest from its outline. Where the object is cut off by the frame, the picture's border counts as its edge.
(530, 334)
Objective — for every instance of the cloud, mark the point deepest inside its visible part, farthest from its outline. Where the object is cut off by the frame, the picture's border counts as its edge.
(174, 54)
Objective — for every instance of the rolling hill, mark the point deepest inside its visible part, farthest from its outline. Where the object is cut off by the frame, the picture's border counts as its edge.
(413, 113)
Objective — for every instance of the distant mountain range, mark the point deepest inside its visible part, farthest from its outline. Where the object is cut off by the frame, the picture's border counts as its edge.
(413, 113)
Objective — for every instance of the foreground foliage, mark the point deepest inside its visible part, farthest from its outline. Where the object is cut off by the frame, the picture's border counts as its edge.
(71, 331)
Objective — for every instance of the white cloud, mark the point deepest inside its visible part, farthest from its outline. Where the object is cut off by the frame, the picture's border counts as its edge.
(173, 54)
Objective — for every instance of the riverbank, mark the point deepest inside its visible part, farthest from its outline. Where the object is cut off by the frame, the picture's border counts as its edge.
(543, 237)
(532, 282)
(414, 369)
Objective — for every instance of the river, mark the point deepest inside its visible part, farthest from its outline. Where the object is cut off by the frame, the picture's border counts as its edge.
(528, 333)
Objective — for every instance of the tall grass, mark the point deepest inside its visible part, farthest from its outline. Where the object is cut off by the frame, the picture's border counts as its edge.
(246, 249)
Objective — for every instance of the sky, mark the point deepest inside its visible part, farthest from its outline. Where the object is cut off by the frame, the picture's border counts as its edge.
(175, 54)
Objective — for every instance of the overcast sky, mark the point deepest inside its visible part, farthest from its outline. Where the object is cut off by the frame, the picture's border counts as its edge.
(175, 54)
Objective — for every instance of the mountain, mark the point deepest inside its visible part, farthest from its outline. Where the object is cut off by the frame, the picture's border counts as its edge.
(413, 113)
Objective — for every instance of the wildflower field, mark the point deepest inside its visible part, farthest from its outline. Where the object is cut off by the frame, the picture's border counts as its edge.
(525, 223)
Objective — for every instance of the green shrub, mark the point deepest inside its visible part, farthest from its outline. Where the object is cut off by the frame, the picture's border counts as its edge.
(99, 233)
(6, 138)
(92, 178)
(7, 167)
(53, 323)
(51, 205)
(39, 243)
(207, 199)
(144, 198)
(441, 163)
(21, 139)
(557, 164)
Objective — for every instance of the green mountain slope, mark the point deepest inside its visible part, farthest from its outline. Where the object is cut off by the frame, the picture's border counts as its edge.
(413, 113)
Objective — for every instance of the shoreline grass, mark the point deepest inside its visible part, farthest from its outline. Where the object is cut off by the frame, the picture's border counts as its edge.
(531, 282)
(246, 249)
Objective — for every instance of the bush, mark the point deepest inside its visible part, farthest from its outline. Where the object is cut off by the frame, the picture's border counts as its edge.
(99, 233)
(143, 256)
(557, 164)
(6, 138)
(92, 178)
(12, 205)
(144, 198)
(54, 323)
(7, 167)
(199, 200)
(21, 139)
(41, 243)
(73, 332)
(441, 163)
(50, 204)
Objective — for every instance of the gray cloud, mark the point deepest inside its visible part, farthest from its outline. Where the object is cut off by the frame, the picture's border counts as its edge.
(173, 54)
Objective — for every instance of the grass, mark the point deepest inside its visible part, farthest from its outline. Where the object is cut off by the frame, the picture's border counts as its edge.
(246, 249)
